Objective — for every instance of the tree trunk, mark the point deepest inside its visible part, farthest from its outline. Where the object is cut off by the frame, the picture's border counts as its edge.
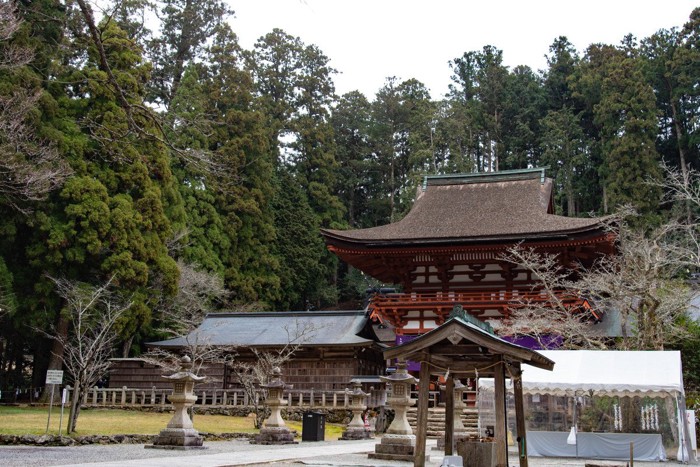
(681, 155)
(127, 346)
(56, 355)
(74, 407)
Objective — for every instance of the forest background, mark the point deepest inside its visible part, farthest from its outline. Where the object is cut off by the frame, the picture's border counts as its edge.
(138, 154)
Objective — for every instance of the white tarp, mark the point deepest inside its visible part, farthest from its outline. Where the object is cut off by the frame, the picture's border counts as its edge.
(607, 372)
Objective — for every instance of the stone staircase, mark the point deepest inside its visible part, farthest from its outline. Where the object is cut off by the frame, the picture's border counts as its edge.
(436, 421)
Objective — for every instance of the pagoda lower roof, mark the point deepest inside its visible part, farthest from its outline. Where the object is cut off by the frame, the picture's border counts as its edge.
(476, 208)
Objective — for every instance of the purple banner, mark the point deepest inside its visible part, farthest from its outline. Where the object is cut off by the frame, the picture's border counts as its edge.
(544, 343)
(402, 339)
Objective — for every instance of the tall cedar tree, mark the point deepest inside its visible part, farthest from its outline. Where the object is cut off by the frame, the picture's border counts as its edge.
(624, 114)
(186, 26)
(114, 216)
(245, 185)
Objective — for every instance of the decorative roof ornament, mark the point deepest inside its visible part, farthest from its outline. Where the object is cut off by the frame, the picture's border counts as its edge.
(459, 313)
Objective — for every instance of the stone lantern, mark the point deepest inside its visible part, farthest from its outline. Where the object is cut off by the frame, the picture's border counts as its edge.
(180, 433)
(460, 431)
(356, 428)
(398, 443)
(275, 431)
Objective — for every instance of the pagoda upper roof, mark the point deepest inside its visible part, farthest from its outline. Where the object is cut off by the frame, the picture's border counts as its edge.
(509, 205)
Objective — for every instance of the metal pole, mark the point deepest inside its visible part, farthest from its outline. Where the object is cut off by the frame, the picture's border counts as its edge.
(63, 403)
(48, 421)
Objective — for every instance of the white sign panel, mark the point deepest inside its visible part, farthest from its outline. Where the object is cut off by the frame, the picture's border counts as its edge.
(54, 376)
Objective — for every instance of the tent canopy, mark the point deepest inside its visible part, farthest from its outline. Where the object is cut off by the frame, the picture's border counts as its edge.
(606, 372)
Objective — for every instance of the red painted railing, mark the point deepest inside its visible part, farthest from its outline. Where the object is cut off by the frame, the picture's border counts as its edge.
(394, 307)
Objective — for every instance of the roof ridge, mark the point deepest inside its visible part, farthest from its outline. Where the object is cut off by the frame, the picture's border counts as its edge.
(485, 177)
(223, 314)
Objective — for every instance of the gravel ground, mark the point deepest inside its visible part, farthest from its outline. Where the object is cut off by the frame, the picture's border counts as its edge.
(21, 456)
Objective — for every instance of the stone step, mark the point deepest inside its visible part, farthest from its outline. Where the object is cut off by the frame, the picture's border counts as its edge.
(436, 421)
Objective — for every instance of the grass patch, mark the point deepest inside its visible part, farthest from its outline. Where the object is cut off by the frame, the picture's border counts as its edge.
(21, 420)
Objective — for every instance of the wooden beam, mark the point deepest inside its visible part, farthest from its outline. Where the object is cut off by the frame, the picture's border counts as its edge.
(521, 438)
(500, 433)
(422, 422)
(449, 415)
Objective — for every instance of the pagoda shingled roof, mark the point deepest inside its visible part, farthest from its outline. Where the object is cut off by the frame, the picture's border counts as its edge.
(499, 206)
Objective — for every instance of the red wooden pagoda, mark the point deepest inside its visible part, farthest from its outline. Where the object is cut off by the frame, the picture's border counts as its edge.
(449, 248)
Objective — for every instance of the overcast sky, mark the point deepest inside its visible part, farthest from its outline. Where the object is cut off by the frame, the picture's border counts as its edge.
(369, 40)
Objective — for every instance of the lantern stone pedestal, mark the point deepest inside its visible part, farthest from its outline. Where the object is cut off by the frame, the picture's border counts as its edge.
(275, 431)
(356, 429)
(399, 442)
(180, 433)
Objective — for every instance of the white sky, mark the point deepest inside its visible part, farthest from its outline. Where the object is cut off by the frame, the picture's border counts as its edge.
(370, 40)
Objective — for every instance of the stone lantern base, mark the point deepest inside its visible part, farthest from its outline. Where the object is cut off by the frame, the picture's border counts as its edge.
(356, 433)
(396, 447)
(177, 438)
(274, 435)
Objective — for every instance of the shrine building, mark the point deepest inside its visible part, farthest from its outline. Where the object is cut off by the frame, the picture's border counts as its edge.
(449, 249)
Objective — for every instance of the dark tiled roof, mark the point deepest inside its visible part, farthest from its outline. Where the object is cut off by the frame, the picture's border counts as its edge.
(450, 209)
(271, 329)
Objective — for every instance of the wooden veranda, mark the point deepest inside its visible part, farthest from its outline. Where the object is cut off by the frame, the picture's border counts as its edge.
(460, 348)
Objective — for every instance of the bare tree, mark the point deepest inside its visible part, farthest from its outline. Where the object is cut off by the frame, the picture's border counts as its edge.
(199, 292)
(548, 318)
(640, 282)
(92, 312)
(251, 374)
(30, 167)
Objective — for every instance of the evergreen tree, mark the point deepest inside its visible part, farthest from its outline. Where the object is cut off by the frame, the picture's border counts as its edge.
(402, 118)
(300, 249)
(624, 114)
(185, 28)
(566, 153)
(351, 122)
(523, 109)
(245, 181)
(671, 66)
(114, 216)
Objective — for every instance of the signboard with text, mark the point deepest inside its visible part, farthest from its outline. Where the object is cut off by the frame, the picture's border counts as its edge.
(54, 376)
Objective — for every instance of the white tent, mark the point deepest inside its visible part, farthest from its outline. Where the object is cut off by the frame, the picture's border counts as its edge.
(607, 372)
(612, 373)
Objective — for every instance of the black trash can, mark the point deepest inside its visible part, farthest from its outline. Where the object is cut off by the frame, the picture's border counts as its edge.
(313, 427)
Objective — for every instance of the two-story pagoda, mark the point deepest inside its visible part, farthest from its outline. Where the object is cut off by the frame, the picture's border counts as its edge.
(449, 248)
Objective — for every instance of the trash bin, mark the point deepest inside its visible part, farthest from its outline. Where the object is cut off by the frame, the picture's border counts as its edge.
(313, 427)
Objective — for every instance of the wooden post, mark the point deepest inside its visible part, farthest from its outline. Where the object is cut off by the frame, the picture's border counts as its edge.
(631, 454)
(520, 416)
(449, 415)
(422, 422)
(500, 402)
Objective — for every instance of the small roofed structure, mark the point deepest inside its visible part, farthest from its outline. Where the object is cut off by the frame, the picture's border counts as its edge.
(449, 248)
(463, 347)
(334, 346)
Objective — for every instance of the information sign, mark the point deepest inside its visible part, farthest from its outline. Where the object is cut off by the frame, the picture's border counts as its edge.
(54, 376)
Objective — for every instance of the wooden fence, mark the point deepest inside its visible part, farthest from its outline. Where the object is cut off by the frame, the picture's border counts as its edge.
(129, 397)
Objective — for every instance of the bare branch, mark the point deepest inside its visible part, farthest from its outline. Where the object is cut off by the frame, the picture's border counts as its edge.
(253, 373)
(640, 283)
(30, 168)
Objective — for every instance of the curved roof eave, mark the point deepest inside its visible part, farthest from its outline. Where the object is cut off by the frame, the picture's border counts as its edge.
(342, 237)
